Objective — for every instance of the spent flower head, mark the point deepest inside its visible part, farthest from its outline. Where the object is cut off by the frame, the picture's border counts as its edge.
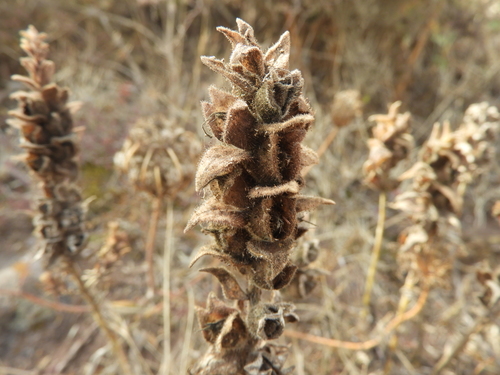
(251, 177)
(158, 156)
(44, 118)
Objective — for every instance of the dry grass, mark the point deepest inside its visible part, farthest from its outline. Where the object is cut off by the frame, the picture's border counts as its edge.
(125, 60)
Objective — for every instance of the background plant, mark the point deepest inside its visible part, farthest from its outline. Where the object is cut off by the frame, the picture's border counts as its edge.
(436, 57)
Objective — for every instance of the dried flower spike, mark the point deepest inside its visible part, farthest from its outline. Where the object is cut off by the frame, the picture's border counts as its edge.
(252, 177)
(45, 120)
(448, 162)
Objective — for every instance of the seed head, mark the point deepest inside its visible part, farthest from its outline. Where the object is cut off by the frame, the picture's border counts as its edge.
(251, 178)
(159, 157)
(44, 118)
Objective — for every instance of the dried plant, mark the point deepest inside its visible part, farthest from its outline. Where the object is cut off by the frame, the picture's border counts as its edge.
(159, 158)
(448, 162)
(390, 144)
(346, 107)
(307, 276)
(251, 179)
(44, 118)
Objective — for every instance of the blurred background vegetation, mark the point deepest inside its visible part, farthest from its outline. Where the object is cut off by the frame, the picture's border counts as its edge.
(126, 59)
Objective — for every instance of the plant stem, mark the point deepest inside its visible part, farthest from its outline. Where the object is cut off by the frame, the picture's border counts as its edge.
(369, 344)
(187, 333)
(45, 302)
(167, 255)
(150, 246)
(403, 304)
(379, 235)
(99, 319)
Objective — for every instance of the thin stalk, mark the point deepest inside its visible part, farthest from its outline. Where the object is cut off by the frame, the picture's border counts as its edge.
(99, 319)
(369, 344)
(167, 255)
(403, 304)
(187, 334)
(150, 246)
(379, 235)
(45, 302)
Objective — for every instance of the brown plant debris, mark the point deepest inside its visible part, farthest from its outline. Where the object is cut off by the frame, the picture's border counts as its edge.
(251, 178)
(44, 118)
(307, 276)
(391, 143)
(447, 163)
(158, 156)
(238, 335)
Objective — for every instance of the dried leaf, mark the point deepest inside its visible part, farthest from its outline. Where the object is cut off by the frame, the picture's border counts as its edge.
(238, 130)
(235, 78)
(217, 215)
(218, 161)
(278, 55)
(213, 251)
(308, 156)
(234, 37)
(230, 286)
(306, 203)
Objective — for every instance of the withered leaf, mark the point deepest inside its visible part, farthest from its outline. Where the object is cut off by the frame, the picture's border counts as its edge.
(234, 37)
(238, 130)
(218, 161)
(230, 286)
(30, 83)
(218, 215)
(308, 156)
(233, 335)
(250, 58)
(246, 30)
(235, 78)
(213, 251)
(278, 55)
(306, 203)
(213, 317)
